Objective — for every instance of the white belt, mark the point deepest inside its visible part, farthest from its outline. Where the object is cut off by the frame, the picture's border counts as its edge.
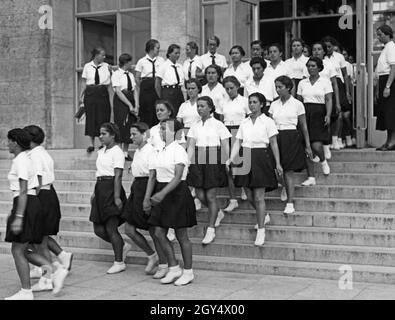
(255, 145)
(286, 127)
(31, 192)
(232, 123)
(46, 187)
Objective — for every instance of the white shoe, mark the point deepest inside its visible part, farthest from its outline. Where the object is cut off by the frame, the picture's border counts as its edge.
(327, 153)
(185, 279)
(284, 195)
(220, 217)
(335, 144)
(36, 272)
(210, 236)
(58, 279)
(193, 192)
(22, 295)
(233, 204)
(198, 204)
(289, 209)
(309, 182)
(267, 221)
(161, 272)
(172, 275)
(171, 235)
(44, 284)
(117, 267)
(316, 159)
(260, 237)
(126, 248)
(66, 259)
(325, 168)
(243, 195)
(152, 262)
(354, 141)
(349, 141)
(341, 144)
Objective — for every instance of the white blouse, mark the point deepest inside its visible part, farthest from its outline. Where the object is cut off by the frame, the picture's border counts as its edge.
(108, 160)
(235, 111)
(165, 161)
(210, 133)
(167, 73)
(297, 67)
(339, 62)
(141, 158)
(264, 87)
(258, 134)
(191, 64)
(242, 73)
(386, 59)
(89, 73)
(220, 60)
(188, 113)
(156, 140)
(314, 93)
(22, 168)
(145, 66)
(329, 71)
(286, 115)
(218, 95)
(120, 79)
(44, 165)
(273, 74)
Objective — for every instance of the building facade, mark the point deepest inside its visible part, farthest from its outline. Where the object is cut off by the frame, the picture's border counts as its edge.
(45, 44)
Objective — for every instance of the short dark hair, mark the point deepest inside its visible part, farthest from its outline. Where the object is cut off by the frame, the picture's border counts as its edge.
(306, 46)
(141, 127)
(193, 46)
(240, 48)
(318, 61)
(171, 48)
(37, 134)
(258, 42)
(168, 106)
(257, 60)
(124, 59)
(278, 46)
(113, 130)
(331, 40)
(217, 68)
(21, 137)
(322, 45)
(216, 39)
(387, 30)
(150, 45)
(96, 51)
(175, 124)
(209, 101)
(233, 80)
(286, 81)
(298, 40)
(195, 81)
(260, 97)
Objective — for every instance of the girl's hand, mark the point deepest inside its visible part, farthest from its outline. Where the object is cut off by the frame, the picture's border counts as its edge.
(157, 198)
(327, 121)
(387, 92)
(92, 198)
(118, 203)
(309, 153)
(16, 225)
(280, 170)
(147, 206)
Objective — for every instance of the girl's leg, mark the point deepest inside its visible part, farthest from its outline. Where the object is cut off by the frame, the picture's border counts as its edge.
(115, 238)
(138, 239)
(165, 244)
(186, 247)
(290, 185)
(158, 247)
(260, 205)
(212, 205)
(201, 195)
(101, 232)
(35, 258)
(54, 247)
(21, 263)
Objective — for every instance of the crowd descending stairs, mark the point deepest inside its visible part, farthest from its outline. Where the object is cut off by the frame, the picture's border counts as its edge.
(348, 219)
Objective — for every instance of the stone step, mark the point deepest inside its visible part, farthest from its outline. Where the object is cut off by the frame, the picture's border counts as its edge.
(316, 270)
(368, 155)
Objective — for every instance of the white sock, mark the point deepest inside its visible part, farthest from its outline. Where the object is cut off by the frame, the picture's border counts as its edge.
(188, 271)
(152, 256)
(62, 254)
(334, 139)
(163, 266)
(324, 162)
(209, 229)
(175, 268)
(27, 290)
(118, 263)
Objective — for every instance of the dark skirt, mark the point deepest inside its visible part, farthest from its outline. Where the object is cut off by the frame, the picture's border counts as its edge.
(385, 108)
(32, 230)
(208, 170)
(177, 210)
(133, 212)
(103, 205)
(174, 96)
(148, 97)
(296, 81)
(343, 96)
(257, 171)
(51, 209)
(98, 109)
(315, 118)
(123, 118)
(292, 153)
(233, 130)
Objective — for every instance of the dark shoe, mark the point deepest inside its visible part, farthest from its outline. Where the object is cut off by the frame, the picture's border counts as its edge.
(383, 147)
(128, 158)
(90, 149)
(101, 147)
(390, 148)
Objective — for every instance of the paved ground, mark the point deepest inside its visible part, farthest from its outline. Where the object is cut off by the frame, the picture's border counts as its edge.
(88, 281)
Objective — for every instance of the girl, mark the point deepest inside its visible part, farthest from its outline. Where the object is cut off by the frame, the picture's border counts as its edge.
(44, 165)
(96, 78)
(126, 100)
(192, 67)
(146, 70)
(289, 113)
(234, 111)
(207, 171)
(238, 69)
(133, 213)
(170, 79)
(316, 94)
(297, 64)
(214, 88)
(171, 202)
(109, 196)
(257, 175)
(212, 57)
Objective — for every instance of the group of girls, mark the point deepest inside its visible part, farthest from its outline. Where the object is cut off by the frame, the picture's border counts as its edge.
(35, 215)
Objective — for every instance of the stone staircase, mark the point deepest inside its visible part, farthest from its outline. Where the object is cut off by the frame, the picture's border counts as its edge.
(347, 219)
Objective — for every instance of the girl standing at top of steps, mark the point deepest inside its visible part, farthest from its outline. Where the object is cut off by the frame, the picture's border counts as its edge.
(133, 212)
(109, 196)
(44, 165)
(258, 173)
(170, 202)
